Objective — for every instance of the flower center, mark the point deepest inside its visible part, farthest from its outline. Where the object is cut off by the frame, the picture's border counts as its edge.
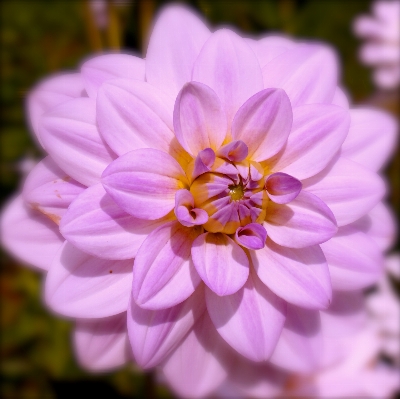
(232, 194)
(236, 191)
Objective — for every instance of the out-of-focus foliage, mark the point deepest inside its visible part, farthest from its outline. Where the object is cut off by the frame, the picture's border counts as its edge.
(40, 37)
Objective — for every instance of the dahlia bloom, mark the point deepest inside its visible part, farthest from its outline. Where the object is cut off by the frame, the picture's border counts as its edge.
(382, 50)
(205, 201)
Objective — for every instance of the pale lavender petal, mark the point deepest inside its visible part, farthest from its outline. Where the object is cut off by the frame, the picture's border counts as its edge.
(250, 320)
(300, 276)
(251, 236)
(95, 224)
(305, 221)
(102, 344)
(176, 40)
(200, 363)
(341, 98)
(300, 345)
(380, 225)
(256, 380)
(268, 48)
(307, 72)
(371, 138)
(50, 93)
(220, 262)
(354, 259)
(155, 333)
(199, 118)
(263, 122)
(99, 69)
(50, 190)
(82, 286)
(282, 188)
(203, 163)
(318, 132)
(185, 211)
(29, 235)
(70, 136)
(164, 274)
(144, 182)
(349, 189)
(345, 317)
(228, 65)
(145, 123)
(235, 151)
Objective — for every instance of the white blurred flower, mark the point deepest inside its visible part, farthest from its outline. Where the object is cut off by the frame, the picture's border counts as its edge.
(385, 309)
(382, 48)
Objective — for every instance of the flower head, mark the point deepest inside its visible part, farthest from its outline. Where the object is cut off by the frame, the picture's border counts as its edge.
(222, 185)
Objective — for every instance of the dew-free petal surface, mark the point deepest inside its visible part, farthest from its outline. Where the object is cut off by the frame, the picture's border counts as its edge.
(300, 276)
(250, 320)
(82, 286)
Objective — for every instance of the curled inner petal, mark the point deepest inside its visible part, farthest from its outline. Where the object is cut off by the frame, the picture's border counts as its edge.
(185, 212)
(235, 151)
(251, 236)
(282, 188)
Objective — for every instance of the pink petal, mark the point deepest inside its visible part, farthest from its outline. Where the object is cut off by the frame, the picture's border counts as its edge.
(300, 345)
(250, 320)
(251, 236)
(235, 151)
(228, 65)
(82, 286)
(199, 364)
(199, 118)
(371, 138)
(70, 136)
(185, 212)
(146, 123)
(307, 72)
(349, 190)
(305, 221)
(50, 190)
(29, 235)
(354, 260)
(341, 98)
(95, 224)
(268, 48)
(220, 262)
(380, 225)
(318, 132)
(99, 69)
(256, 380)
(282, 188)
(164, 274)
(144, 182)
(300, 276)
(263, 122)
(50, 93)
(102, 344)
(203, 163)
(345, 317)
(154, 334)
(176, 40)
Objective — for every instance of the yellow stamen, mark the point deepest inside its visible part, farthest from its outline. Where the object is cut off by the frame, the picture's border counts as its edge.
(236, 192)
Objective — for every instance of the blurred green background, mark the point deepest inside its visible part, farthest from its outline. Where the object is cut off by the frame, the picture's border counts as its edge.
(40, 37)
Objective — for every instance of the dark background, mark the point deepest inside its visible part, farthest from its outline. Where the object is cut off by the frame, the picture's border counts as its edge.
(40, 37)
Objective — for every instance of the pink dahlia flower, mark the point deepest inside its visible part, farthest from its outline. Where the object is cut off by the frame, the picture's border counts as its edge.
(382, 50)
(207, 199)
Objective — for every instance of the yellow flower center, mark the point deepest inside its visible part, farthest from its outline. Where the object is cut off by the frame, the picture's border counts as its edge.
(236, 191)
